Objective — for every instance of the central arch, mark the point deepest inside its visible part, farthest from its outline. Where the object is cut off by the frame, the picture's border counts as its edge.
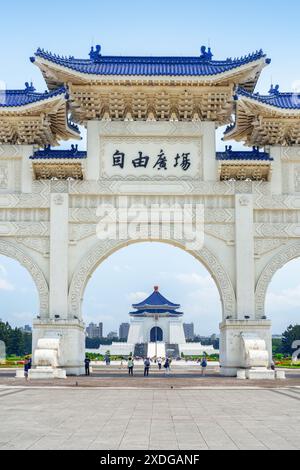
(102, 250)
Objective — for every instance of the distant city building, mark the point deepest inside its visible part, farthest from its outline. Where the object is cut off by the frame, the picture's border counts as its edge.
(94, 331)
(27, 329)
(123, 331)
(112, 335)
(189, 333)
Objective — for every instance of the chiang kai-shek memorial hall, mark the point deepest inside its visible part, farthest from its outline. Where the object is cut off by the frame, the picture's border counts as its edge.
(156, 330)
(151, 139)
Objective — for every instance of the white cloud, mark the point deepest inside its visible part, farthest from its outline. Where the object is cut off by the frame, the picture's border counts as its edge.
(135, 297)
(196, 279)
(284, 300)
(5, 285)
(3, 270)
(120, 269)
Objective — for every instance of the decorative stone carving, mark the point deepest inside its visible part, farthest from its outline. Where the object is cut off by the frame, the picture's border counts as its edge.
(58, 200)
(3, 176)
(244, 201)
(262, 247)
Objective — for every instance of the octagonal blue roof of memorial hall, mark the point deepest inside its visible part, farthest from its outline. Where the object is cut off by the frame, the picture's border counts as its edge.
(19, 98)
(98, 64)
(275, 98)
(251, 155)
(49, 153)
(156, 301)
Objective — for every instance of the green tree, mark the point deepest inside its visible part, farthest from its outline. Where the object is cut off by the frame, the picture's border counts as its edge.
(17, 342)
(289, 336)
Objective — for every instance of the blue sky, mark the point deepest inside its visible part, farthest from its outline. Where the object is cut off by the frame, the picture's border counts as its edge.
(232, 28)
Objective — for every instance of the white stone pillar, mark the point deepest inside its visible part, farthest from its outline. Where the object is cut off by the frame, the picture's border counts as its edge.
(26, 169)
(93, 151)
(276, 177)
(209, 151)
(244, 254)
(59, 243)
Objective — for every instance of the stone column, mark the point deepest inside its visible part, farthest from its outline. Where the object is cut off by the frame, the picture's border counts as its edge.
(276, 176)
(209, 151)
(59, 244)
(93, 151)
(26, 171)
(244, 257)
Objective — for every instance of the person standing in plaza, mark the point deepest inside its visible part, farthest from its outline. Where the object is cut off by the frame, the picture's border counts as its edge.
(159, 362)
(27, 367)
(146, 367)
(130, 365)
(204, 365)
(167, 366)
(87, 366)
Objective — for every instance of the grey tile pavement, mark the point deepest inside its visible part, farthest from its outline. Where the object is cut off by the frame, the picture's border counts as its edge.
(150, 419)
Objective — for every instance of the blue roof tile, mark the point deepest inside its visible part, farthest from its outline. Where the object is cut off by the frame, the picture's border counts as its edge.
(156, 311)
(275, 98)
(156, 300)
(150, 66)
(254, 155)
(48, 153)
(18, 98)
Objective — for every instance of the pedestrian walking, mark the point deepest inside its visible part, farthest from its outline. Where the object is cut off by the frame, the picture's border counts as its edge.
(167, 366)
(130, 365)
(204, 365)
(27, 367)
(159, 362)
(87, 362)
(146, 367)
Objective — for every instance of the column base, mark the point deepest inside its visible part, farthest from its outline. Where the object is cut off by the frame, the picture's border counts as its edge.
(46, 373)
(72, 342)
(232, 347)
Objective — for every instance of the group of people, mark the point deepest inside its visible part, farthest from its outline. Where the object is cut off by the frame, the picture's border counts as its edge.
(147, 364)
(166, 364)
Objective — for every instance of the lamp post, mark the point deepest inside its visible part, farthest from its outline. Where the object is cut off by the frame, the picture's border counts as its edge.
(156, 320)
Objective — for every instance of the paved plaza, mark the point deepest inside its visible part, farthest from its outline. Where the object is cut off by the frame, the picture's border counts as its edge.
(194, 419)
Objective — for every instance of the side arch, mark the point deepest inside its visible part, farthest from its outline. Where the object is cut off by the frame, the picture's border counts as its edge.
(288, 253)
(11, 250)
(102, 250)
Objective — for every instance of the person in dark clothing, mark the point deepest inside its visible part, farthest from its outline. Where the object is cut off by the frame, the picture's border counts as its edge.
(146, 367)
(27, 366)
(87, 366)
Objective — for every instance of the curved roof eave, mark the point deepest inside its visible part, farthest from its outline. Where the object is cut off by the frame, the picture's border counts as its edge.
(258, 64)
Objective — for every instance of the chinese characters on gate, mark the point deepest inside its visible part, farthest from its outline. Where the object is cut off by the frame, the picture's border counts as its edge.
(161, 162)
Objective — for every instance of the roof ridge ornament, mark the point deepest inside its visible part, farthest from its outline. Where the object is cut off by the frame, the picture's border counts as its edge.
(274, 90)
(206, 54)
(29, 88)
(95, 54)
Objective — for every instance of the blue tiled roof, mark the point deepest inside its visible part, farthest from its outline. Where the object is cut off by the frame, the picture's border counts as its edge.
(156, 300)
(150, 66)
(156, 311)
(48, 153)
(18, 98)
(254, 155)
(275, 98)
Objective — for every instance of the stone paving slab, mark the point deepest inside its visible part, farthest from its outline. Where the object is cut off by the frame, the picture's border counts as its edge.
(111, 378)
(106, 419)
